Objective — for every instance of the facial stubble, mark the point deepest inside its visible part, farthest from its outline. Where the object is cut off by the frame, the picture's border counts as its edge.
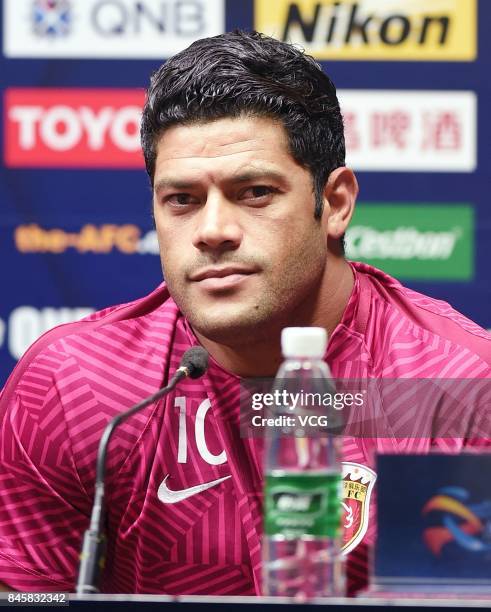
(285, 295)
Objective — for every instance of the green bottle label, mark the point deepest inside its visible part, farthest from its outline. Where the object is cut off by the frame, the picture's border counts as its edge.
(302, 504)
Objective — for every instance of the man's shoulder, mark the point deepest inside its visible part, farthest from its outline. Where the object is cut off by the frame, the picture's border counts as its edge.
(413, 334)
(121, 332)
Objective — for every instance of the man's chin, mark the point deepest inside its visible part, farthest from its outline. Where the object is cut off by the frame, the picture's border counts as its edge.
(229, 330)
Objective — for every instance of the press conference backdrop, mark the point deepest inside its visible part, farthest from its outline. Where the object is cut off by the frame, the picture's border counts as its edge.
(76, 227)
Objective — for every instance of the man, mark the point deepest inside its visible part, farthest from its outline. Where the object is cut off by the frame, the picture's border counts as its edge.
(243, 142)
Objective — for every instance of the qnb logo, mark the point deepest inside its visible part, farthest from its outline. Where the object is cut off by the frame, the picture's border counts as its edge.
(117, 18)
(51, 18)
(120, 29)
(468, 526)
(85, 128)
(26, 324)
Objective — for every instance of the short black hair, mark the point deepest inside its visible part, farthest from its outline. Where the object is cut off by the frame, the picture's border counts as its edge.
(249, 74)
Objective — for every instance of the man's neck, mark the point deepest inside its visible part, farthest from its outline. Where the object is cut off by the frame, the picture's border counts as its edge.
(262, 356)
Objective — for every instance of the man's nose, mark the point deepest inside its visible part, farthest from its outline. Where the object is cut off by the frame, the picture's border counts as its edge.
(218, 226)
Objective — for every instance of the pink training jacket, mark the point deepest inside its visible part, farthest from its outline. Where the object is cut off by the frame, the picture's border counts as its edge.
(183, 488)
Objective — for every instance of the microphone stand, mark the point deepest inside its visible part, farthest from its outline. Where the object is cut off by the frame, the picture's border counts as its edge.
(92, 557)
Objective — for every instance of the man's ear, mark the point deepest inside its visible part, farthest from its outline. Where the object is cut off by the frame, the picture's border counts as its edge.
(340, 195)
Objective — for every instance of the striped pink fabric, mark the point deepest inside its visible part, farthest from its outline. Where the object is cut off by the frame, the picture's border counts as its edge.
(78, 376)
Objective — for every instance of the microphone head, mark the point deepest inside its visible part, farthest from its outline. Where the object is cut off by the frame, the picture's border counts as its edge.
(195, 360)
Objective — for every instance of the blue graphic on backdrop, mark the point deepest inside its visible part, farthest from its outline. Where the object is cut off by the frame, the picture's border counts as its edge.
(433, 519)
(469, 526)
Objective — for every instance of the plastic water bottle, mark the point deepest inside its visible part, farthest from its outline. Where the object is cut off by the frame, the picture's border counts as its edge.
(302, 494)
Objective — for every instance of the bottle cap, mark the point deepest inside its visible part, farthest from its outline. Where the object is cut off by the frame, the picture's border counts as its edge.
(304, 342)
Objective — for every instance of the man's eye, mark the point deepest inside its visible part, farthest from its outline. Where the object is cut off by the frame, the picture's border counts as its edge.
(180, 199)
(258, 191)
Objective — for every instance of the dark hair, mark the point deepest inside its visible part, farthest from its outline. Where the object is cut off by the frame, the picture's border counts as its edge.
(246, 73)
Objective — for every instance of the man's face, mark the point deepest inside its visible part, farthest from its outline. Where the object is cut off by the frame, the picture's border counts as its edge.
(241, 251)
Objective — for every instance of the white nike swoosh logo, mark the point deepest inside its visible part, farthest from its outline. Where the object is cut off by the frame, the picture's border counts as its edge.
(167, 496)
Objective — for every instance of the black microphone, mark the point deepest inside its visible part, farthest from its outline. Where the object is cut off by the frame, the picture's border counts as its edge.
(193, 365)
(194, 362)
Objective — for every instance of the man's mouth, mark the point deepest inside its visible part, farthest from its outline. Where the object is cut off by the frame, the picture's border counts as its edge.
(220, 278)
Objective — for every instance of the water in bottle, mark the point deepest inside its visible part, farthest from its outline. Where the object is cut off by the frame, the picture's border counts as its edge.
(302, 471)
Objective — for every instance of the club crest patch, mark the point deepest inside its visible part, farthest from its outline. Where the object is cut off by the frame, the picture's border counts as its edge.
(358, 481)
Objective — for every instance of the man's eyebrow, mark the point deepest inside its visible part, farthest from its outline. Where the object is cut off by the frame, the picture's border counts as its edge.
(254, 175)
(170, 183)
(244, 176)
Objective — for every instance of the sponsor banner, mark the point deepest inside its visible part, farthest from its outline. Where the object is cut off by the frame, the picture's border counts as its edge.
(385, 129)
(418, 241)
(424, 131)
(27, 323)
(153, 29)
(73, 127)
(373, 29)
(127, 239)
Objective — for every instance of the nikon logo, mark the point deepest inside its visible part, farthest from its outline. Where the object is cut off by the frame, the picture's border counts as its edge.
(402, 243)
(371, 29)
(347, 24)
(419, 241)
